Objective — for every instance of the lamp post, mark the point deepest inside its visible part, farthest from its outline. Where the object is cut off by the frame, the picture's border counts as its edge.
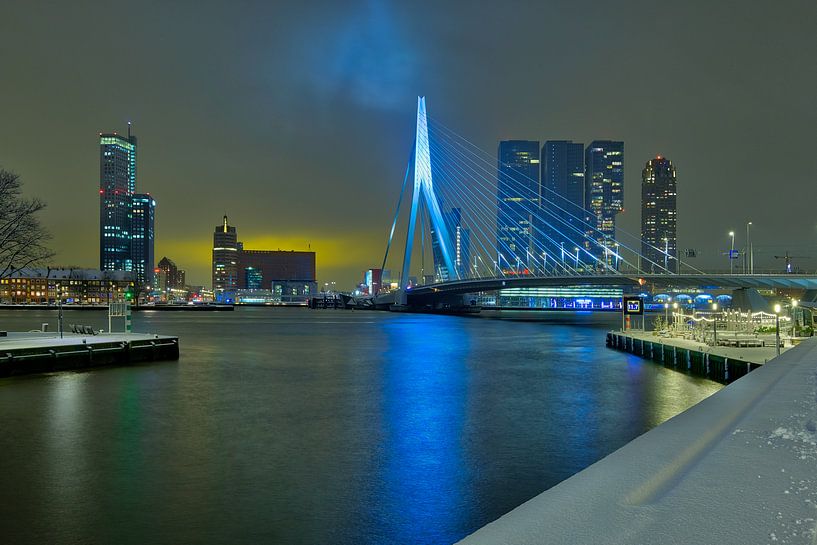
(666, 313)
(731, 249)
(793, 318)
(674, 315)
(577, 259)
(777, 329)
(748, 257)
(714, 325)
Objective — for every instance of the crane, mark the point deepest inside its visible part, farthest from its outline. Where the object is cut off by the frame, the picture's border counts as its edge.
(788, 259)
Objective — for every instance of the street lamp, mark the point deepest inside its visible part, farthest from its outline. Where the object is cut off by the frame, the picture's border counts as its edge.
(793, 317)
(666, 313)
(714, 325)
(777, 328)
(674, 315)
(731, 249)
(748, 257)
(577, 258)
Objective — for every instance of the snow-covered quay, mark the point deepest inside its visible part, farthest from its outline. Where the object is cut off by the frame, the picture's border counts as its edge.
(740, 467)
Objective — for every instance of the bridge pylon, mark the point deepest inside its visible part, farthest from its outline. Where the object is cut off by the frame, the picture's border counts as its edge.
(424, 187)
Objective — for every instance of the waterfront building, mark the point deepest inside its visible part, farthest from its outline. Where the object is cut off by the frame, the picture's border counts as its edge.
(170, 281)
(289, 274)
(74, 286)
(117, 184)
(225, 260)
(517, 202)
(288, 269)
(604, 197)
(659, 245)
(143, 211)
(253, 278)
(555, 298)
(562, 220)
(373, 281)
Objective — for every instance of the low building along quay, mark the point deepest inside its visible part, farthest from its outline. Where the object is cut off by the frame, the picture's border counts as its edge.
(74, 286)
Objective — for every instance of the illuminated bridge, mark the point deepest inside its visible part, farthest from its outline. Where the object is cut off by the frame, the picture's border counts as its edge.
(491, 227)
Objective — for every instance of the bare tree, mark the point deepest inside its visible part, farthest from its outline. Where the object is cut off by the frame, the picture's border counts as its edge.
(22, 238)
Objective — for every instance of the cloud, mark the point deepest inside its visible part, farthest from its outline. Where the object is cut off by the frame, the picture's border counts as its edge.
(363, 58)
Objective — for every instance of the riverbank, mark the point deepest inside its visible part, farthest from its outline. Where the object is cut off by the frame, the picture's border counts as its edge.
(737, 467)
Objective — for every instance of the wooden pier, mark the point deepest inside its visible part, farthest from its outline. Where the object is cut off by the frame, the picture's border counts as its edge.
(721, 364)
(26, 353)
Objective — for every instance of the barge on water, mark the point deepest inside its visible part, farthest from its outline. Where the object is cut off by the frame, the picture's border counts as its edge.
(27, 353)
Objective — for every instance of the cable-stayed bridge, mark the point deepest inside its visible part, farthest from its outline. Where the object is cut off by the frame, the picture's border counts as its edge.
(491, 226)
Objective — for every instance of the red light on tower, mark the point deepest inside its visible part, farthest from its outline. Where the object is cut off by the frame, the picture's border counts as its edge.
(658, 157)
(101, 191)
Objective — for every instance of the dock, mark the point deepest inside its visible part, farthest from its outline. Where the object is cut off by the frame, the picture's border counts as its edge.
(722, 363)
(26, 353)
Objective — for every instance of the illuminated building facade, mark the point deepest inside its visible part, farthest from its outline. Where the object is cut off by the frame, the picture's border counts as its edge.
(659, 244)
(563, 214)
(290, 275)
(604, 196)
(225, 260)
(74, 286)
(169, 277)
(143, 210)
(517, 202)
(263, 268)
(117, 184)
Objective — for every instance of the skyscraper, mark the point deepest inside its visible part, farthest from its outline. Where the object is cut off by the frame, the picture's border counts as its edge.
(142, 217)
(517, 202)
(603, 195)
(659, 244)
(563, 213)
(225, 260)
(117, 184)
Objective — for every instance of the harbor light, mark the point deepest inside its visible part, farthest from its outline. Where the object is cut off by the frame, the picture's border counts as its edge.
(777, 309)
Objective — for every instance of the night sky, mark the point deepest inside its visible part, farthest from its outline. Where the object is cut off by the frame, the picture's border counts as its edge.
(296, 119)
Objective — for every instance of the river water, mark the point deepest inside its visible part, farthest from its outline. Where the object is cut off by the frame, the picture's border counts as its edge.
(307, 426)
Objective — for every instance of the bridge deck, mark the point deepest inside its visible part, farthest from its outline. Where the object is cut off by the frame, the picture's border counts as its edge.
(763, 281)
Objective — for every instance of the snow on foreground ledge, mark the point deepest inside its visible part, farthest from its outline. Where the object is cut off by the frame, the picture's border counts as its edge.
(740, 467)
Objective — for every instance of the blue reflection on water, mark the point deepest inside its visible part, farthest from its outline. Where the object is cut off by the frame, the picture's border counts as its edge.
(425, 385)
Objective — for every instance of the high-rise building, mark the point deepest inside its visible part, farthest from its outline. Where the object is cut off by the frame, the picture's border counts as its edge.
(126, 219)
(659, 241)
(459, 246)
(603, 196)
(517, 202)
(288, 275)
(169, 276)
(117, 184)
(143, 209)
(225, 260)
(563, 215)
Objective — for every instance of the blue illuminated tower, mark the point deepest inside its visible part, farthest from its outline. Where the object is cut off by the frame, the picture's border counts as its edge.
(423, 186)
